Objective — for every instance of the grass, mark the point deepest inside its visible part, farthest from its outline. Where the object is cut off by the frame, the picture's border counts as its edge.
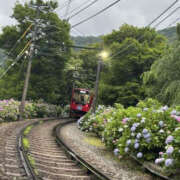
(28, 129)
(94, 141)
(25, 143)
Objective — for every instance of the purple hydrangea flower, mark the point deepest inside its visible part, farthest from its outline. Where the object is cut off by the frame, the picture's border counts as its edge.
(136, 145)
(116, 152)
(139, 155)
(136, 125)
(136, 140)
(161, 123)
(128, 142)
(126, 149)
(169, 150)
(168, 162)
(138, 136)
(169, 139)
(145, 131)
(159, 160)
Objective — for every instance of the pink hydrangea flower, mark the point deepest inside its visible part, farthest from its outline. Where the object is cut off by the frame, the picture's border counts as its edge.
(176, 117)
(125, 120)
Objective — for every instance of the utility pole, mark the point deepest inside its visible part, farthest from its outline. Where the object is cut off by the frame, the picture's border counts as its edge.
(96, 86)
(28, 72)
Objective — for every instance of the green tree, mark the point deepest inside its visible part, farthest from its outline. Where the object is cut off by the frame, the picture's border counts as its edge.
(47, 78)
(163, 79)
(134, 50)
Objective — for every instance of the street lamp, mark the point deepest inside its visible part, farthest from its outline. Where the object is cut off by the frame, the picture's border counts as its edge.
(102, 56)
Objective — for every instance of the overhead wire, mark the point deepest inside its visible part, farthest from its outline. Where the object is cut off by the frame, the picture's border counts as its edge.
(16, 60)
(67, 9)
(171, 5)
(176, 20)
(19, 40)
(94, 15)
(79, 6)
(169, 15)
(83, 9)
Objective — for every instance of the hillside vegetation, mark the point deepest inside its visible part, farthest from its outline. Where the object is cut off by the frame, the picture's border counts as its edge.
(170, 33)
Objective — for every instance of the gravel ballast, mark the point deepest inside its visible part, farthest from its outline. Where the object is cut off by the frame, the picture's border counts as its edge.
(89, 147)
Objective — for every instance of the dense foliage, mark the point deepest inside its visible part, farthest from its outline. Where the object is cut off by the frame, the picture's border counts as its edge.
(163, 79)
(47, 78)
(9, 110)
(133, 52)
(148, 131)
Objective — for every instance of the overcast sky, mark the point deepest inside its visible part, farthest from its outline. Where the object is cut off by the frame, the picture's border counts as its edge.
(134, 12)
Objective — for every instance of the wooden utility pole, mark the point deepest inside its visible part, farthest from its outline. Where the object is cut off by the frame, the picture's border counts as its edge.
(28, 72)
(96, 86)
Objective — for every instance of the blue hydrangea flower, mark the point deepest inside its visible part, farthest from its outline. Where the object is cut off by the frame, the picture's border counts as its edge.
(148, 140)
(126, 149)
(128, 142)
(145, 131)
(161, 123)
(136, 140)
(168, 162)
(159, 160)
(116, 152)
(139, 115)
(146, 136)
(136, 125)
(169, 139)
(143, 120)
(133, 129)
(139, 155)
(173, 112)
(138, 136)
(169, 150)
(136, 145)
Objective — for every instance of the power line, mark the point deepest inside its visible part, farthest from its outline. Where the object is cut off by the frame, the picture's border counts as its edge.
(83, 9)
(79, 6)
(99, 12)
(163, 12)
(170, 14)
(67, 9)
(16, 60)
(176, 20)
(113, 55)
(19, 40)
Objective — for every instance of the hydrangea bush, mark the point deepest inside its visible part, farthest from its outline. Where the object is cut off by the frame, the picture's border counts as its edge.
(148, 131)
(9, 110)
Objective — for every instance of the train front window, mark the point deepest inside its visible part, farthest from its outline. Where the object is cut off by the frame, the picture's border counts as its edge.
(81, 97)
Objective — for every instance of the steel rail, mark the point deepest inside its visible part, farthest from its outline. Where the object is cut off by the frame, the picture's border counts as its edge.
(30, 172)
(74, 155)
(91, 168)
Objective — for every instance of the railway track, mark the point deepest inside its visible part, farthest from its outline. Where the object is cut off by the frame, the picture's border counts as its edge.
(48, 161)
(10, 164)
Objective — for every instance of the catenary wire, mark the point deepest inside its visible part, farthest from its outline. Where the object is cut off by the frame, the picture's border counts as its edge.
(113, 55)
(169, 15)
(16, 60)
(94, 15)
(83, 9)
(19, 40)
